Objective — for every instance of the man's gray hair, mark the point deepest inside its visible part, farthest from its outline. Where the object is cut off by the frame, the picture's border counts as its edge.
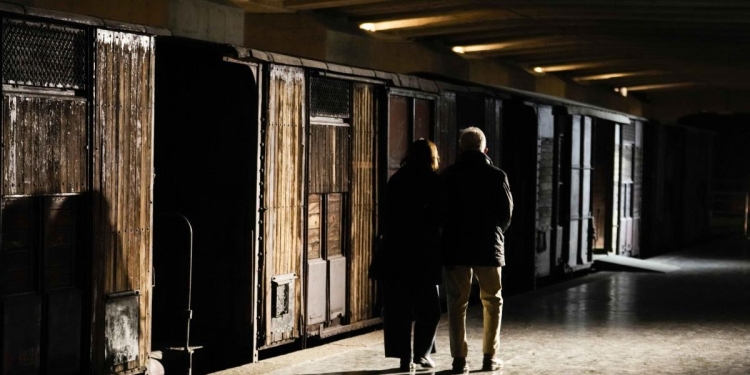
(472, 138)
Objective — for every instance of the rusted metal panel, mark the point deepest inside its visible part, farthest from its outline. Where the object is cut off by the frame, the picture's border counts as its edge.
(398, 131)
(423, 124)
(284, 188)
(122, 183)
(121, 317)
(447, 133)
(362, 223)
(45, 145)
(329, 158)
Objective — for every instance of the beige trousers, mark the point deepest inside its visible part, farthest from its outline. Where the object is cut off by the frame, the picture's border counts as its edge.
(457, 287)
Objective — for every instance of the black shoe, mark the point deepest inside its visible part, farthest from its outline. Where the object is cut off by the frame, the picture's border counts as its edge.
(406, 364)
(491, 364)
(425, 362)
(459, 366)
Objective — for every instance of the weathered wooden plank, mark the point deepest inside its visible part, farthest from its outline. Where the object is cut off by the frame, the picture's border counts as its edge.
(123, 178)
(362, 223)
(284, 186)
(34, 161)
(313, 226)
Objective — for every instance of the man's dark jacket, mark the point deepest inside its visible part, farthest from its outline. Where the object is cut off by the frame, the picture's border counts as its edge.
(479, 208)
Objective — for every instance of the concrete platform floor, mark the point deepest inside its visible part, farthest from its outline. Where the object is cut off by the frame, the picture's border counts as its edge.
(692, 321)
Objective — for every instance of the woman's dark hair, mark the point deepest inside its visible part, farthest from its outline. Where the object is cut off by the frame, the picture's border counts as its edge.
(422, 154)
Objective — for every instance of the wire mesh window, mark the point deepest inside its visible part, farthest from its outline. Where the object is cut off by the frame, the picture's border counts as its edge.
(42, 54)
(329, 97)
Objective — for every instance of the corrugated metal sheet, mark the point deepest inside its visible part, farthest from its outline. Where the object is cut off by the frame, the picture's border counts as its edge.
(44, 141)
(363, 224)
(122, 180)
(284, 186)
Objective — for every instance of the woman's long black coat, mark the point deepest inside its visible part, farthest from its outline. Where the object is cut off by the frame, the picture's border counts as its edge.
(410, 246)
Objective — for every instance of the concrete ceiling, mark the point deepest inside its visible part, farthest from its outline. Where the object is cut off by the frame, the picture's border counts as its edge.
(643, 45)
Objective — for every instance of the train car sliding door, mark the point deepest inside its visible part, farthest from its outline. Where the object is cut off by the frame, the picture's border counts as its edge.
(341, 206)
(576, 217)
(328, 192)
(630, 188)
(545, 253)
(283, 183)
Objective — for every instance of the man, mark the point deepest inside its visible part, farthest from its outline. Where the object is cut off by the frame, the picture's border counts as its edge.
(479, 205)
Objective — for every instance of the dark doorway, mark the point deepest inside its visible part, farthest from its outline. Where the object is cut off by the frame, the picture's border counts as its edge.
(206, 164)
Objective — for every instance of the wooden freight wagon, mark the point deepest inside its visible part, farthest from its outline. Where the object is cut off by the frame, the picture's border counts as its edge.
(568, 163)
(326, 135)
(75, 254)
(577, 192)
(288, 151)
(293, 154)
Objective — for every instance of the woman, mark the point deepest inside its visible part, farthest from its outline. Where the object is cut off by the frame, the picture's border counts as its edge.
(410, 257)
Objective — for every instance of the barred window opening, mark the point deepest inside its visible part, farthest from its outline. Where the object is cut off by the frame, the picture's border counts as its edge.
(43, 55)
(329, 98)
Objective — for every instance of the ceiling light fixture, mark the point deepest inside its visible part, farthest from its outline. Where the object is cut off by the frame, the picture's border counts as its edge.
(661, 86)
(562, 68)
(453, 18)
(617, 75)
(369, 26)
(480, 47)
(624, 91)
(539, 69)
